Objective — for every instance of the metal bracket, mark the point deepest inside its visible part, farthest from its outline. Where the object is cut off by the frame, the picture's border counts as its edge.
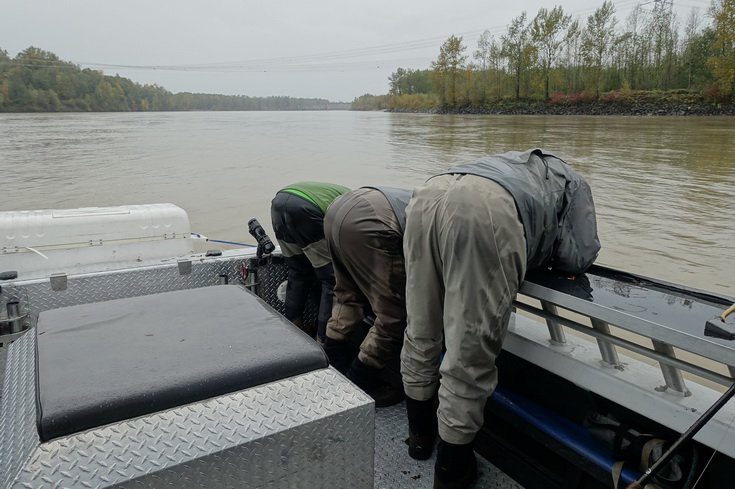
(184, 267)
(58, 281)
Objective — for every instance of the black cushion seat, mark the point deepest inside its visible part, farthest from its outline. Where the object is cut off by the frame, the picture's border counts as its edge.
(110, 361)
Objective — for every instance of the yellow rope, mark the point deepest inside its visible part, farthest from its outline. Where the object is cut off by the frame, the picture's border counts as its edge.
(727, 312)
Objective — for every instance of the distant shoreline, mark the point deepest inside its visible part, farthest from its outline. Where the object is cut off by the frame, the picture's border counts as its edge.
(588, 109)
(336, 109)
(598, 109)
(616, 103)
(591, 109)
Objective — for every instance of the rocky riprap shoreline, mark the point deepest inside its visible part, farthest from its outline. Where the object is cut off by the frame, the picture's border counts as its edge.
(600, 108)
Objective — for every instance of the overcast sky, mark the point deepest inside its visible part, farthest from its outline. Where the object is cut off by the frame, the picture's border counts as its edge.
(333, 49)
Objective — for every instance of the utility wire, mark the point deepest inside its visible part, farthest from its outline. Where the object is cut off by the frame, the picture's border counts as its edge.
(327, 61)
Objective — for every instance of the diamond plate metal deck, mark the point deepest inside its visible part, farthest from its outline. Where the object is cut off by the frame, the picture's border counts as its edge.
(97, 287)
(269, 276)
(313, 430)
(394, 469)
(41, 295)
(18, 434)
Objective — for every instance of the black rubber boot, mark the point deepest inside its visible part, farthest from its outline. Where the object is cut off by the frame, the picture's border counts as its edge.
(422, 427)
(456, 466)
(368, 379)
(339, 353)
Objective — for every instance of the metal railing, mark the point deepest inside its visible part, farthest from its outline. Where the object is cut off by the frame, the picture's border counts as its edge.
(661, 352)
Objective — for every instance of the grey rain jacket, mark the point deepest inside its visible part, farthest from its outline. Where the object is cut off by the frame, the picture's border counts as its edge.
(554, 203)
(398, 199)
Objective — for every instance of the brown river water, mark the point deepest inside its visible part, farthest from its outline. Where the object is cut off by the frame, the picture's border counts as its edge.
(664, 186)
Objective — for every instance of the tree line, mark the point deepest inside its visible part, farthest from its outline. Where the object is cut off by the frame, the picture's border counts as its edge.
(554, 58)
(38, 81)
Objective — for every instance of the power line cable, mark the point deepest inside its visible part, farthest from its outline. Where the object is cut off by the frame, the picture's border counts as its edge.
(327, 61)
(350, 53)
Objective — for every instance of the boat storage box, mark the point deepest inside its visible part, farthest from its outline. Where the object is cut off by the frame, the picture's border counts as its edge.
(205, 387)
(39, 243)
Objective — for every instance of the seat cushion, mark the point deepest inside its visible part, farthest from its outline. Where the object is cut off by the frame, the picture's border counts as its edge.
(110, 361)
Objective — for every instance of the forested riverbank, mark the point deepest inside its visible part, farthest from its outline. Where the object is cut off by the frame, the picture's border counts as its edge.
(650, 63)
(634, 103)
(38, 81)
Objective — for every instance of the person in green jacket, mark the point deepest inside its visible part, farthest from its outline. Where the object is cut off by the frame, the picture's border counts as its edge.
(297, 215)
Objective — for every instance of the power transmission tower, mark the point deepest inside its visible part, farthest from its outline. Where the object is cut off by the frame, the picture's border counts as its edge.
(663, 6)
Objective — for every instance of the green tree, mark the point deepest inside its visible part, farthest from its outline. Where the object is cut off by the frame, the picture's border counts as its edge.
(488, 56)
(597, 40)
(484, 47)
(695, 51)
(664, 38)
(723, 62)
(634, 47)
(4, 94)
(418, 81)
(517, 49)
(406, 81)
(395, 80)
(448, 69)
(547, 30)
(4, 84)
(370, 102)
(573, 49)
(699, 49)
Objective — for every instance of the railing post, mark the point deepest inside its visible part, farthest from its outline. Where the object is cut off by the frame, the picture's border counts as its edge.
(16, 324)
(672, 376)
(555, 330)
(607, 350)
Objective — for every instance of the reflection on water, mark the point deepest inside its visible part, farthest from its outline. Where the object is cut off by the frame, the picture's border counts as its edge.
(664, 187)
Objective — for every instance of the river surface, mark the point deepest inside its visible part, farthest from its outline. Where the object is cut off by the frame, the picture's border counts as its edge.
(664, 186)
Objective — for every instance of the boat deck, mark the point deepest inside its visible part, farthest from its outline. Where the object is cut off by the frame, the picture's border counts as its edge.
(394, 469)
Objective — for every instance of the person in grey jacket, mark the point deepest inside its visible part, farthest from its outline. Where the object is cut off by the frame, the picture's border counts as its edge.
(364, 231)
(471, 235)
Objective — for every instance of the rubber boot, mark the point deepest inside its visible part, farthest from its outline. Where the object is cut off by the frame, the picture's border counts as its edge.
(422, 427)
(456, 466)
(339, 353)
(368, 379)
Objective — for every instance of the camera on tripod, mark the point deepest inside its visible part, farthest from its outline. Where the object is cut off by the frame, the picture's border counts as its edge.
(265, 245)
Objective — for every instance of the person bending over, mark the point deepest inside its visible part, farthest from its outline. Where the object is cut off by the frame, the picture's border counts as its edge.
(297, 215)
(364, 230)
(471, 235)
